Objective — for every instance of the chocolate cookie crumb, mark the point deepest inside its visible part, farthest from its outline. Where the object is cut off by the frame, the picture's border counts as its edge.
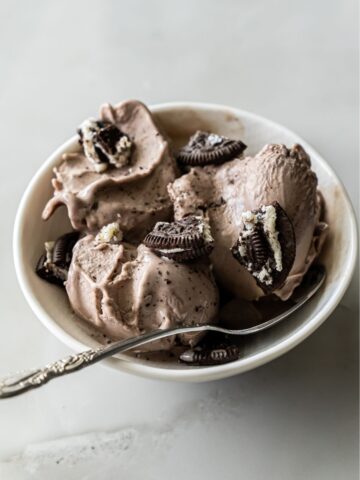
(206, 148)
(182, 240)
(266, 246)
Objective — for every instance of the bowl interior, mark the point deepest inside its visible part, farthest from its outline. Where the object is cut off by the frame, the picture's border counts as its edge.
(179, 121)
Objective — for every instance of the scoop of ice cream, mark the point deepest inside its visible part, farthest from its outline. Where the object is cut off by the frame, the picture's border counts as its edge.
(275, 174)
(125, 291)
(134, 193)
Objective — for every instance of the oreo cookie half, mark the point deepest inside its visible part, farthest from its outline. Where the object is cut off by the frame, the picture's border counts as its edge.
(206, 148)
(104, 143)
(53, 265)
(183, 240)
(266, 246)
(215, 355)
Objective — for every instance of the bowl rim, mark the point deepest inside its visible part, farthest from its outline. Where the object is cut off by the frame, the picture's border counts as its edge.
(197, 374)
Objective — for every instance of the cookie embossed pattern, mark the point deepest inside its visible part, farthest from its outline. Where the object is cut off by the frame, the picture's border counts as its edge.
(219, 210)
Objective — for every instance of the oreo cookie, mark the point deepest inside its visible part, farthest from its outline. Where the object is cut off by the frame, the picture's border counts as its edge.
(181, 241)
(53, 265)
(215, 355)
(206, 148)
(104, 144)
(266, 246)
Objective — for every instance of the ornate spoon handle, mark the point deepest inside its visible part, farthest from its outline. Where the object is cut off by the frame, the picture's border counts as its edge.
(22, 382)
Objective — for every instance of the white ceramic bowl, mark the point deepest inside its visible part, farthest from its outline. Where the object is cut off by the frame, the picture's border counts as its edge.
(50, 303)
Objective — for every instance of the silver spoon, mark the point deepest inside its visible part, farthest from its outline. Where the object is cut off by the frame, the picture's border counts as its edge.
(19, 383)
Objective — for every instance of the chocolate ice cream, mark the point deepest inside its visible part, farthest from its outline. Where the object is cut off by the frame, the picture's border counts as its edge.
(126, 290)
(225, 192)
(128, 186)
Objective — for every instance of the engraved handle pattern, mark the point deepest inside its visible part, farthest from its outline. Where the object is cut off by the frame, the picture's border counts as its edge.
(21, 382)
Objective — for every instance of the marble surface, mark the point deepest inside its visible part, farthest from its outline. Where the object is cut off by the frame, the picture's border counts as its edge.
(294, 62)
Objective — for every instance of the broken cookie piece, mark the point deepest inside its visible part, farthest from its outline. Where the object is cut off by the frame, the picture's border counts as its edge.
(266, 246)
(54, 264)
(104, 143)
(205, 148)
(181, 241)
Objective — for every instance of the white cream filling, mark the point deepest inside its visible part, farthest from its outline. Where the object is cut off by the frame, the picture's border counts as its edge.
(100, 167)
(214, 139)
(110, 233)
(204, 229)
(171, 250)
(269, 222)
(123, 150)
(242, 251)
(49, 247)
(264, 275)
(267, 216)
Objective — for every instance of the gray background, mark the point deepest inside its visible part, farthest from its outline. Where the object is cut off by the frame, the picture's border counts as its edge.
(294, 62)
